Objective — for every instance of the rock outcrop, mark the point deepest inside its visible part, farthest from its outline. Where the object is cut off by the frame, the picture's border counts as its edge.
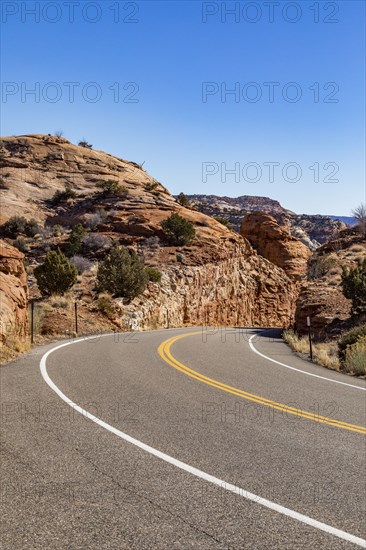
(327, 308)
(241, 290)
(276, 244)
(218, 279)
(13, 294)
(312, 230)
(321, 296)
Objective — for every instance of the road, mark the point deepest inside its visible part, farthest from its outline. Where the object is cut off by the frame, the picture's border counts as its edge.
(180, 439)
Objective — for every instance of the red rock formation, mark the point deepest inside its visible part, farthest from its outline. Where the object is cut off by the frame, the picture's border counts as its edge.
(218, 279)
(13, 293)
(276, 243)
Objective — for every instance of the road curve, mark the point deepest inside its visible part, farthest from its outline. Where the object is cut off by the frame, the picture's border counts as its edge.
(182, 438)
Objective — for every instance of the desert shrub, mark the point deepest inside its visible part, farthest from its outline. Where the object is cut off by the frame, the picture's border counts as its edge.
(223, 221)
(350, 338)
(320, 266)
(93, 221)
(59, 302)
(122, 273)
(151, 185)
(355, 359)
(105, 305)
(13, 226)
(177, 230)
(18, 224)
(63, 195)
(324, 354)
(20, 244)
(59, 133)
(152, 242)
(354, 286)
(153, 274)
(111, 187)
(56, 275)
(183, 199)
(82, 264)
(75, 243)
(32, 228)
(95, 241)
(84, 143)
(57, 230)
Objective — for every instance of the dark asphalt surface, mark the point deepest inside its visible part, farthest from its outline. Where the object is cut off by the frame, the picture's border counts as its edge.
(68, 483)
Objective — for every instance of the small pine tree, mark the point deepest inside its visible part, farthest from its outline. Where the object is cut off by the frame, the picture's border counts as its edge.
(111, 187)
(56, 275)
(183, 199)
(74, 244)
(178, 231)
(122, 274)
(153, 274)
(354, 286)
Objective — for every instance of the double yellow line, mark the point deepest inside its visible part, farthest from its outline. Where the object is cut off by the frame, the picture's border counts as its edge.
(166, 355)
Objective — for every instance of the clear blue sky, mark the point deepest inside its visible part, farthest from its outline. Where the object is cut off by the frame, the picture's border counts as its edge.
(168, 50)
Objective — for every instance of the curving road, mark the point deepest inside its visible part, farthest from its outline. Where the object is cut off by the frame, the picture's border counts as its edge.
(179, 439)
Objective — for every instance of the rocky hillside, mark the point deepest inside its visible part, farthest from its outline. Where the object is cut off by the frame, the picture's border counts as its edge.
(321, 295)
(13, 297)
(276, 243)
(312, 230)
(218, 279)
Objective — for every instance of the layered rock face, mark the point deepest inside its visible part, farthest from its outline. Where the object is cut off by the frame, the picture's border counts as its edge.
(276, 243)
(218, 279)
(13, 294)
(242, 290)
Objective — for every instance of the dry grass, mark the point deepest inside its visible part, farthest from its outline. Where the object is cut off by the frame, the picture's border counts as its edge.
(355, 360)
(324, 354)
(13, 347)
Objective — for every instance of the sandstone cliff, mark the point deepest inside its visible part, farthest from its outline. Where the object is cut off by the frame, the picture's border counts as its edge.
(275, 243)
(218, 279)
(13, 294)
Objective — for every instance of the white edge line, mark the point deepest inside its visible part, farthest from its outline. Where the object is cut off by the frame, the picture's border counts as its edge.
(191, 469)
(251, 345)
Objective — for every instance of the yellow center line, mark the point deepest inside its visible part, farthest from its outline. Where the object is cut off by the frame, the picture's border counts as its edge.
(165, 353)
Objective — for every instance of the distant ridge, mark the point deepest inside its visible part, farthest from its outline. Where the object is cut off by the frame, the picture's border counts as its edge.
(349, 220)
(312, 230)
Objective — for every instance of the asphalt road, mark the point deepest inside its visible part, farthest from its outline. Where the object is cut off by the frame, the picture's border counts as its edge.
(174, 440)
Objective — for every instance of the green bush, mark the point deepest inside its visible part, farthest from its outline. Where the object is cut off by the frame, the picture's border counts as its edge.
(84, 143)
(151, 185)
(178, 231)
(105, 305)
(18, 224)
(65, 194)
(75, 242)
(183, 199)
(350, 338)
(223, 221)
(354, 286)
(153, 274)
(122, 274)
(20, 244)
(56, 275)
(32, 228)
(111, 187)
(355, 360)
